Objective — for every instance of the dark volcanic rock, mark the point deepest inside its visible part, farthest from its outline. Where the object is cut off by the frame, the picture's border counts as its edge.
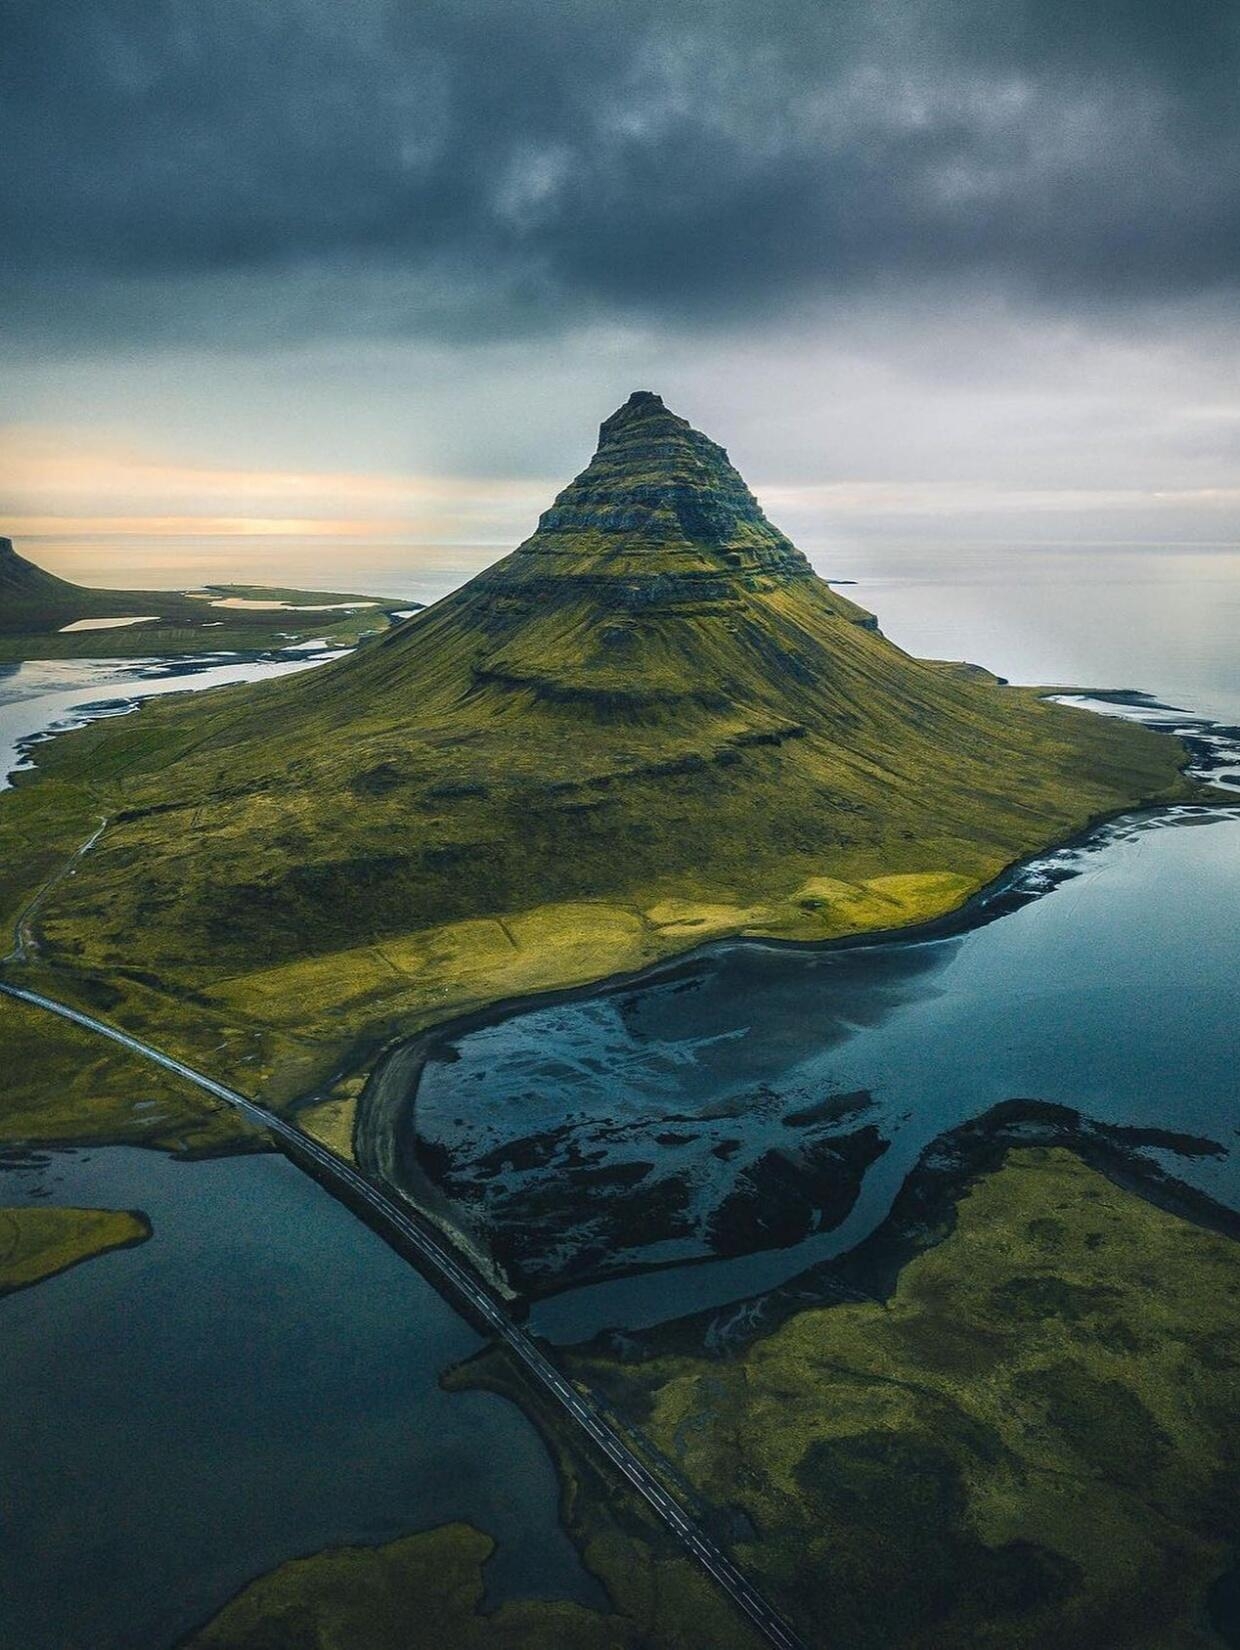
(655, 487)
(789, 1193)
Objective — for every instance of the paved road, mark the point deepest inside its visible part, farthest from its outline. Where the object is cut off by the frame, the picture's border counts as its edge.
(469, 1291)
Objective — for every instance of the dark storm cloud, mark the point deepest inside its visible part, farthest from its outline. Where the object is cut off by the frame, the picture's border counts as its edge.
(488, 167)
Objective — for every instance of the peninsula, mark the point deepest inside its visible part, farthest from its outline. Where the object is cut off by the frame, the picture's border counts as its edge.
(650, 725)
(46, 617)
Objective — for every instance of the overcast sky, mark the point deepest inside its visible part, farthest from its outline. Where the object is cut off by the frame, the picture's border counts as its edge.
(370, 273)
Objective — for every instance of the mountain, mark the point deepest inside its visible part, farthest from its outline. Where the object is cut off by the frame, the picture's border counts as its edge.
(650, 724)
(26, 590)
(654, 593)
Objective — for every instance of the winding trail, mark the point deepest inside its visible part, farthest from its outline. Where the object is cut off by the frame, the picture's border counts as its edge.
(470, 1294)
(24, 942)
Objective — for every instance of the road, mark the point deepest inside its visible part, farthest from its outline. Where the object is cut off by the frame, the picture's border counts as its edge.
(466, 1290)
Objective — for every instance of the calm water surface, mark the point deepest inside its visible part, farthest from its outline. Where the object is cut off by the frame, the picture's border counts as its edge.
(1165, 621)
(257, 1381)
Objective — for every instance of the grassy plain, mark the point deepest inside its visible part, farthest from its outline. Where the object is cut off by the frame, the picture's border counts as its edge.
(61, 1086)
(36, 1243)
(1034, 1440)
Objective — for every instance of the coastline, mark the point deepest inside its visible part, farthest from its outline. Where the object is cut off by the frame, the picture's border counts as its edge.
(385, 1142)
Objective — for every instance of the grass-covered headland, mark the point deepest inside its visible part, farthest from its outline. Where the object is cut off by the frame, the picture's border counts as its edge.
(1032, 1441)
(38, 613)
(650, 725)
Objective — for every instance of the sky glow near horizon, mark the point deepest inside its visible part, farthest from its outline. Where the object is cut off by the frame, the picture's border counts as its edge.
(320, 288)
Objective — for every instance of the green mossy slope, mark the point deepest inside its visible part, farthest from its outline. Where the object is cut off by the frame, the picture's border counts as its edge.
(1035, 1441)
(60, 1085)
(650, 725)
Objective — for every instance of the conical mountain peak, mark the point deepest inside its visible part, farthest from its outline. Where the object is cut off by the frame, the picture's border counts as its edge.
(655, 484)
(643, 593)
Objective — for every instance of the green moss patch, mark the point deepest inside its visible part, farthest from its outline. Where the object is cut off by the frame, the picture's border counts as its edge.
(1034, 1440)
(36, 1243)
(61, 1085)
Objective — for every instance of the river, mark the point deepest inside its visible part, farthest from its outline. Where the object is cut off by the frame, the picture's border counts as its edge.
(43, 697)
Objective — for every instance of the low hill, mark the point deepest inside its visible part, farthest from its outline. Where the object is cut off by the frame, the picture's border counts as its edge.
(650, 725)
(36, 606)
(26, 590)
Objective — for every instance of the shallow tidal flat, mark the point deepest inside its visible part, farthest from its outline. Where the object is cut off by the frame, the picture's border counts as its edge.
(757, 1109)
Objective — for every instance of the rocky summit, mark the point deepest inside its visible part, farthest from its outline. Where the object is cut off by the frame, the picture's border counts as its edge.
(656, 483)
(21, 582)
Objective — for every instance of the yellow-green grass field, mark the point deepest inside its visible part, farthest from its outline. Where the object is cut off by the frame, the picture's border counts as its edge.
(60, 1085)
(1034, 1441)
(38, 1242)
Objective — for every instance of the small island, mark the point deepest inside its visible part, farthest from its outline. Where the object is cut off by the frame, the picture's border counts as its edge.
(38, 1242)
